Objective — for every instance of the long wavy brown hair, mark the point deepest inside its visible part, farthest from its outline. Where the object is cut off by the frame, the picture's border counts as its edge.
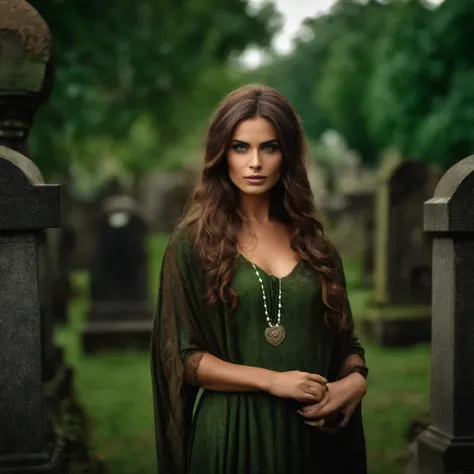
(213, 219)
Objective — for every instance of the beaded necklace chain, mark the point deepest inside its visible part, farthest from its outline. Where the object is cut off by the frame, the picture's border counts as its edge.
(275, 332)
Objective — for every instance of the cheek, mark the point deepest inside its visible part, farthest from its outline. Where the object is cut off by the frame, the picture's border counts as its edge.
(232, 165)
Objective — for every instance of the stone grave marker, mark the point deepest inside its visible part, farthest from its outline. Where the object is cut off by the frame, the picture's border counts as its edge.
(399, 309)
(447, 446)
(120, 316)
(37, 405)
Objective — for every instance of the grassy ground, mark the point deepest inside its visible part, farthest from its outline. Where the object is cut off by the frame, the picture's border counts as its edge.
(116, 392)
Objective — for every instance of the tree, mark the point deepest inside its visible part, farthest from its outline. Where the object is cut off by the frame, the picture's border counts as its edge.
(128, 61)
(422, 98)
(326, 76)
(343, 86)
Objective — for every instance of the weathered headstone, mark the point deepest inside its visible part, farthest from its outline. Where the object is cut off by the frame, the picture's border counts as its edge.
(361, 207)
(163, 196)
(83, 221)
(447, 446)
(120, 316)
(399, 310)
(36, 400)
(27, 207)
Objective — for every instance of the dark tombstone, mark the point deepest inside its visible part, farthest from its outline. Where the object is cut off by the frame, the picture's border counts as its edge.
(83, 221)
(447, 446)
(60, 245)
(120, 316)
(37, 405)
(114, 186)
(361, 207)
(27, 207)
(399, 310)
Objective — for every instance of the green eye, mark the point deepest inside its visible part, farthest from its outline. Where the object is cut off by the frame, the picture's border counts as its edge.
(239, 148)
(270, 148)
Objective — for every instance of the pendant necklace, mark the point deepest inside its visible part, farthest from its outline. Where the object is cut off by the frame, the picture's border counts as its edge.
(274, 333)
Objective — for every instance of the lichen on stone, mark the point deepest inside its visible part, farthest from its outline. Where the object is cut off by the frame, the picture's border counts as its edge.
(23, 32)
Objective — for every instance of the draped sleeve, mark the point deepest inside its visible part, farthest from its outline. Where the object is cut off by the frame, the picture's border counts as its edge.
(350, 343)
(346, 341)
(177, 346)
(351, 439)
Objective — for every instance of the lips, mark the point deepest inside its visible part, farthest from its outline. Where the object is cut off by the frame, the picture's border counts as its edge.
(255, 179)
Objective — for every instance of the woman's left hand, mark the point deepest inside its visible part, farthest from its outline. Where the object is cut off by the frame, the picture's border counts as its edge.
(342, 396)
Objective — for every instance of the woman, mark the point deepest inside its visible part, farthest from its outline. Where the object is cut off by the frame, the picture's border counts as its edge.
(252, 313)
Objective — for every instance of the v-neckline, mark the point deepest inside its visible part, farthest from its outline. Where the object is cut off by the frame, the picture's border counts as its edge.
(269, 274)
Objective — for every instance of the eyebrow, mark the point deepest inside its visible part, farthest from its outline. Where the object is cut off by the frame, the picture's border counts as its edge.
(268, 142)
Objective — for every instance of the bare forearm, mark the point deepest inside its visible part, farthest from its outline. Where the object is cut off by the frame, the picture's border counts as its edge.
(215, 374)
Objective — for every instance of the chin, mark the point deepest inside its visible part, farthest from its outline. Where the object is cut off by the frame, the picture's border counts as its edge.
(255, 190)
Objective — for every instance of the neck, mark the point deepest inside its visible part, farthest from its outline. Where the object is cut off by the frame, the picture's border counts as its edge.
(255, 208)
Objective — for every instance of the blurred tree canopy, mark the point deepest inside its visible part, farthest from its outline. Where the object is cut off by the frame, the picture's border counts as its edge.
(397, 73)
(132, 76)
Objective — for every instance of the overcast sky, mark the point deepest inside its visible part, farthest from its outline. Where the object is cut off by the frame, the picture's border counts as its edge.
(294, 12)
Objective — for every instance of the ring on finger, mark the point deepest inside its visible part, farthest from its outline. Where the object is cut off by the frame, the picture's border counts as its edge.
(324, 384)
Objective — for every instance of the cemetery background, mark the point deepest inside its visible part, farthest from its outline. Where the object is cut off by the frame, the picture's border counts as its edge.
(365, 78)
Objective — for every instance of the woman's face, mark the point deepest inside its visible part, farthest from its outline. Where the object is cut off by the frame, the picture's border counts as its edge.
(254, 156)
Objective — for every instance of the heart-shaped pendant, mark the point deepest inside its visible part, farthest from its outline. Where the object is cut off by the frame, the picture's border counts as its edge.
(275, 335)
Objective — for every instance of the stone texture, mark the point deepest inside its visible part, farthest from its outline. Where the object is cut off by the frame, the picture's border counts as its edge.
(447, 446)
(23, 437)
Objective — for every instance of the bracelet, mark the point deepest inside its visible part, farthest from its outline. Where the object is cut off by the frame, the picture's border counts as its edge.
(361, 369)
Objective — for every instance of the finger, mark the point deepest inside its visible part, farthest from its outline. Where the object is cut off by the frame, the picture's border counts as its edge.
(316, 405)
(316, 392)
(308, 398)
(311, 413)
(317, 378)
(348, 412)
(328, 409)
(321, 403)
(315, 423)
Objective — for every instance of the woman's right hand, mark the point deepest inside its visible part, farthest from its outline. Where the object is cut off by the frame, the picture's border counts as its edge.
(300, 386)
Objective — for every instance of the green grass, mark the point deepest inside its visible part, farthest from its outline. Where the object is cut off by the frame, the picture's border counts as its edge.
(116, 391)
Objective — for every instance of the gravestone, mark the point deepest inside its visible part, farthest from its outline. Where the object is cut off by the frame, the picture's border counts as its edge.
(447, 446)
(120, 316)
(163, 196)
(399, 309)
(27, 207)
(60, 245)
(83, 221)
(361, 206)
(37, 405)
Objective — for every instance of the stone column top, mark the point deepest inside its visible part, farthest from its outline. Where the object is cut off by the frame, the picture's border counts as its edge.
(26, 203)
(451, 209)
(25, 47)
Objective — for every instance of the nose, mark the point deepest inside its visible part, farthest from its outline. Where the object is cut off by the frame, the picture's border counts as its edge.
(255, 161)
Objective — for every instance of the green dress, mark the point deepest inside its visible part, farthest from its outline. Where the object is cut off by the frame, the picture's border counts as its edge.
(250, 432)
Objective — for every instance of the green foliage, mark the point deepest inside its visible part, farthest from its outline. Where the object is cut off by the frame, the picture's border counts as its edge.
(136, 61)
(344, 81)
(422, 98)
(329, 70)
(391, 74)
